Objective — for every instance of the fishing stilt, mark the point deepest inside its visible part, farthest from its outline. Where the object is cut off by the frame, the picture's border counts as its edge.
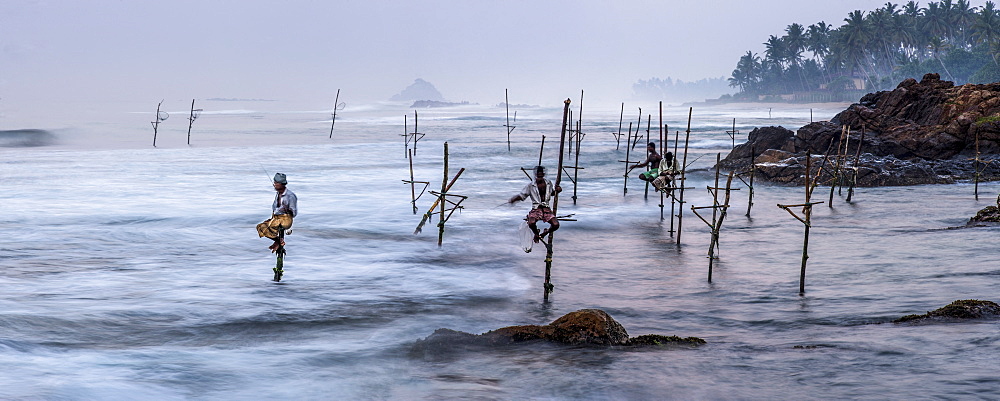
(193, 116)
(160, 117)
(333, 116)
(280, 252)
(547, 286)
(806, 220)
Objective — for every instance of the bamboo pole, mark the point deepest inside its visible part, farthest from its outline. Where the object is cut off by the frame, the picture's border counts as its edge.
(673, 199)
(430, 211)
(333, 119)
(683, 181)
(637, 137)
(576, 162)
(807, 220)
(190, 121)
(649, 118)
(857, 159)
(506, 103)
(753, 170)
(541, 149)
(279, 263)
(975, 165)
(413, 184)
(663, 151)
(444, 193)
(547, 286)
(156, 122)
(618, 138)
(627, 152)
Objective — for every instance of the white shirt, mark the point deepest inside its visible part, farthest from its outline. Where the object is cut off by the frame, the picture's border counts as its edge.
(531, 191)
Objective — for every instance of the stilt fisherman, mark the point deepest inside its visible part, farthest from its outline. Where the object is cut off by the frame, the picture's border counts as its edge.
(540, 191)
(283, 210)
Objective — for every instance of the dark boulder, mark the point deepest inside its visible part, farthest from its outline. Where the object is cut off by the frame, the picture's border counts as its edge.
(958, 310)
(583, 327)
(989, 216)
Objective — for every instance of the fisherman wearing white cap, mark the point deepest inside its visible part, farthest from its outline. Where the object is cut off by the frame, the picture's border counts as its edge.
(283, 209)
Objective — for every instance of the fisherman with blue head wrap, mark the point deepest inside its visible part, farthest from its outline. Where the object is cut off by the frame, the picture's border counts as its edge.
(283, 210)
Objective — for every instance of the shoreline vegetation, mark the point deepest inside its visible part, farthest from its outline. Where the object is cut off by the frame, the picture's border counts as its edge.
(872, 51)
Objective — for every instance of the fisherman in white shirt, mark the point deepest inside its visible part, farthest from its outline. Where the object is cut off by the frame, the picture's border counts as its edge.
(541, 192)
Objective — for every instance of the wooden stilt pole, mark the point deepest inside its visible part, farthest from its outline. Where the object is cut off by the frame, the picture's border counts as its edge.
(444, 193)
(541, 149)
(683, 180)
(673, 199)
(576, 162)
(663, 152)
(854, 167)
(547, 286)
(191, 118)
(649, 118)
(333, 118)
(279, 264)
(975, 166)
(618, 138)
(638, 124)
(415, 130)
(628, 149)
(156, 122)
(810, 184)
(413, 184)
(506, 102)
(753, 170)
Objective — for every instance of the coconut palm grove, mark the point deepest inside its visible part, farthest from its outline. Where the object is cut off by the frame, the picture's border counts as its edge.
(874, 50)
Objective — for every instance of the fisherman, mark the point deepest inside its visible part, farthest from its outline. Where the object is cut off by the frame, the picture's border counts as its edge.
(667, 170)
(652, 161)
(540, 192)
(283, 210)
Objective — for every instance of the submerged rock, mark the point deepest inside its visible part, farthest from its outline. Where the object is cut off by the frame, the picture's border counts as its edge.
(988, 216)
(919, 133)
(582, 327)
(961, 309)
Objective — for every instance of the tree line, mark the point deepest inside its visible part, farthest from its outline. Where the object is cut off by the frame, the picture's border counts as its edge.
(877, 49)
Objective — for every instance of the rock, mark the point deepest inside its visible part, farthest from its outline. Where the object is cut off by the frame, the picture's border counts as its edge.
(582, 327)
(919, 133)
(418, 90)
(988, 216)
(961, 309)
(656, 339)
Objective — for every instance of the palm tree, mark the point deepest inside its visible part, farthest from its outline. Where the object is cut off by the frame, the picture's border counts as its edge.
(986, 29)
(963, 17)
(853, 41)
(818, 41)
(795, 44)
(747, 73)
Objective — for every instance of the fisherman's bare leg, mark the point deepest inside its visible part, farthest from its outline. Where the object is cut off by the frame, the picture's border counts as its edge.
(553, 226)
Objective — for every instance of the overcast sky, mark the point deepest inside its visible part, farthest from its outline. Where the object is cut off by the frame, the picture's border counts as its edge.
(137, 50)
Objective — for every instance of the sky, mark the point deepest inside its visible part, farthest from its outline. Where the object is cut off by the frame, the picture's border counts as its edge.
(540, 51)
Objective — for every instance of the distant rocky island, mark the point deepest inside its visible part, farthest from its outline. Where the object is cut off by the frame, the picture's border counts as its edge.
(923, 132)
(419, 90)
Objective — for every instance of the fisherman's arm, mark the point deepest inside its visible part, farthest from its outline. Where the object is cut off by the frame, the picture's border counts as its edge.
(293, 204)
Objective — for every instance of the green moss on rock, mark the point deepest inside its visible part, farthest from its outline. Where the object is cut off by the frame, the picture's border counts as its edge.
(961, 309)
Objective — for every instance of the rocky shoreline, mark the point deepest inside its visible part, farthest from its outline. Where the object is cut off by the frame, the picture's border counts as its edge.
(919, 133)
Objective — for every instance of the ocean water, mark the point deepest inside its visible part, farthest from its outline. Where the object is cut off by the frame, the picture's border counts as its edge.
(133, 272)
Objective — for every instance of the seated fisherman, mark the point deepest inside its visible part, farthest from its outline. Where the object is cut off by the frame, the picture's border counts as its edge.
(667, 170)
(283, 209)
(540, 192)
(652, 161)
